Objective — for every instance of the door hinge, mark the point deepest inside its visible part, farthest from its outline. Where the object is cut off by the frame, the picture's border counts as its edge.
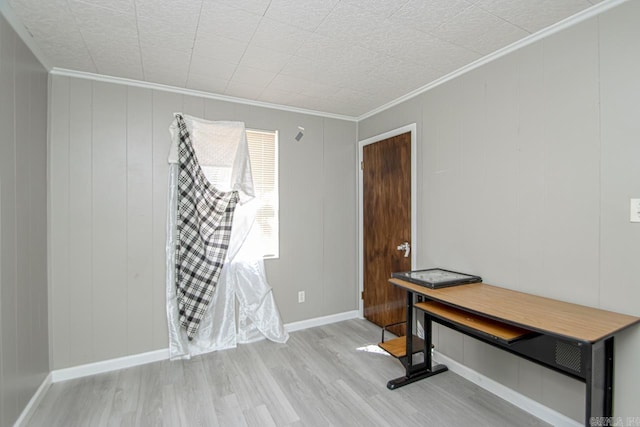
(362, 295)
(361, 165)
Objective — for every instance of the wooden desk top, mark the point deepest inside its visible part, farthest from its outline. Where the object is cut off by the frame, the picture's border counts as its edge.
(532, 312)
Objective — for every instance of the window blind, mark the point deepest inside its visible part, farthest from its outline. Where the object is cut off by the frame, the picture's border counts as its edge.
(263, 152)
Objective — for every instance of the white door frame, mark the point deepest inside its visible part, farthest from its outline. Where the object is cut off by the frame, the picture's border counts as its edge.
(414, 201)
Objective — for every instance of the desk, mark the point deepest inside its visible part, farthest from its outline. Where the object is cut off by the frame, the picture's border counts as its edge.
(572, 339)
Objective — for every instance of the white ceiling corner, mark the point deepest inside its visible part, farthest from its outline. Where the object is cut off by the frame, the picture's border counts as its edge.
(342, 58)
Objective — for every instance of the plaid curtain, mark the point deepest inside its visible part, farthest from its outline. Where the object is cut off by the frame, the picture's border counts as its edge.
(204, 228)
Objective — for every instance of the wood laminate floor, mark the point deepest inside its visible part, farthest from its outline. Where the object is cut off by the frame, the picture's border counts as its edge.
(322, 377)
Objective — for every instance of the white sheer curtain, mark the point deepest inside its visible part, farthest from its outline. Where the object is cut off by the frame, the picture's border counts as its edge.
(221, 149)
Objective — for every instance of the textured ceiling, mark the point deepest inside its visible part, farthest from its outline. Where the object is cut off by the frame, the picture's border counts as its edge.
(344, 57)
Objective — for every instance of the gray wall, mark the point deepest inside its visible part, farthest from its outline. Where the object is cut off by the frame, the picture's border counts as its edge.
(24, 345)
(109, 146)
(527, 166)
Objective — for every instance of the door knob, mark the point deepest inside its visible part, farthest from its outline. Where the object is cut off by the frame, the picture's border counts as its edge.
(406, 247)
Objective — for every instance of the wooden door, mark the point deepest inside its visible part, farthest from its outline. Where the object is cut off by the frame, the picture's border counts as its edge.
(386, 189)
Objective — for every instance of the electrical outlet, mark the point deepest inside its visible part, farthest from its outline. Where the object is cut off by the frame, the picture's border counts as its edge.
(634, 214)
(300, 297)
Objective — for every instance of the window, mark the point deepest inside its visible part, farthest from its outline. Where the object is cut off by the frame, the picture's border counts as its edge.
(263, 152)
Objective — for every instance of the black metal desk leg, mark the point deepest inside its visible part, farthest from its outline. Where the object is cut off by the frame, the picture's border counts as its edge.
(422, 370)
(428, 340)
(600, 381)
(408, 331)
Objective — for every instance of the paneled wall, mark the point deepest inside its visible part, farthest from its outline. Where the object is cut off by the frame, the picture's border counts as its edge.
(109, 147)
(24, 345)
(526, 168)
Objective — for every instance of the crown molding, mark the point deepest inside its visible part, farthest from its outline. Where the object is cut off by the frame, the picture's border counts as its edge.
(546, 32)
(184, 91)
(24, 34)
(27, 38)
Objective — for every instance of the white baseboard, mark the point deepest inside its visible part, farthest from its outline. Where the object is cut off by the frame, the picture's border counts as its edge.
(28, 410)
(158, 355)
(109, 365)
(521, 401)
(321, 321)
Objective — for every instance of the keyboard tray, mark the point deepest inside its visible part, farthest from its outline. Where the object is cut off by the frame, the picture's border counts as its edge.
(495, 329)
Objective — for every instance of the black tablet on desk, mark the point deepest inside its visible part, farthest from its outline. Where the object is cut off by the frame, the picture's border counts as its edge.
(435, 278)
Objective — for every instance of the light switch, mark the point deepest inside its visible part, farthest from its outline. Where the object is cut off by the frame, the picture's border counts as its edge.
(634, 214)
